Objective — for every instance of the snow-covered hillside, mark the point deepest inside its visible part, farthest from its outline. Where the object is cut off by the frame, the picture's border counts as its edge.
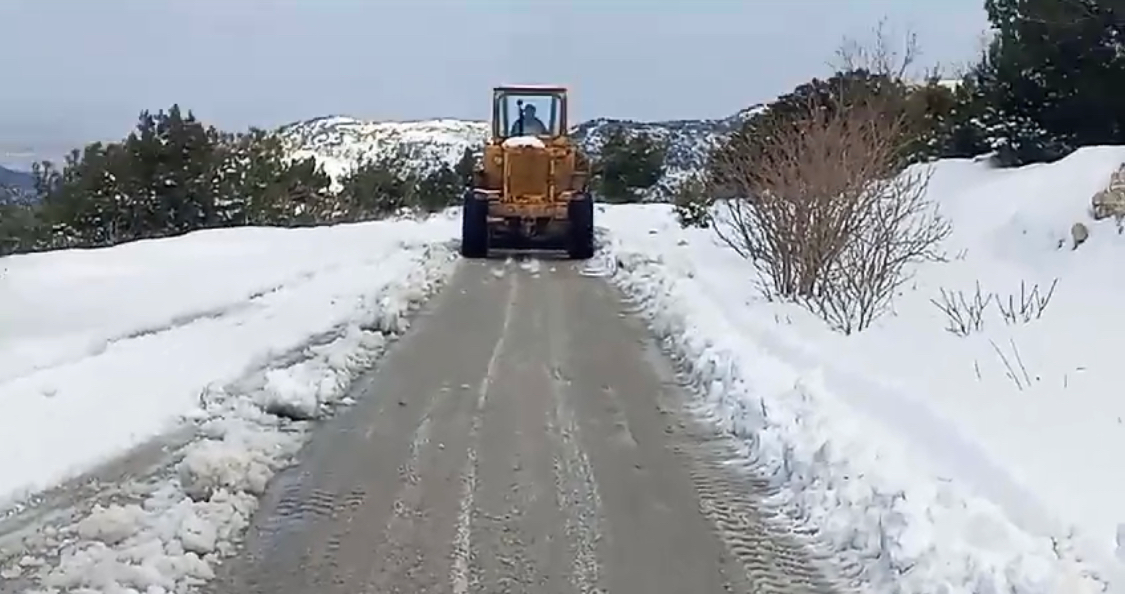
(688, 142)
(340, 143)
(15, 185)
(937, 461)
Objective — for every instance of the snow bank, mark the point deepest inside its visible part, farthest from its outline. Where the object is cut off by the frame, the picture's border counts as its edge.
(910, 449)
(243, 332)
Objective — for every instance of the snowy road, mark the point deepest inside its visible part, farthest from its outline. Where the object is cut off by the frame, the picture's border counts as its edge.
(524, 437)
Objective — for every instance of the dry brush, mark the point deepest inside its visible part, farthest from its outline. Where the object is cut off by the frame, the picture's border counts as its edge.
(827, 208)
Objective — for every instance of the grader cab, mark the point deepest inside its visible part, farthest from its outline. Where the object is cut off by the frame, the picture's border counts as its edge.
(531, 190)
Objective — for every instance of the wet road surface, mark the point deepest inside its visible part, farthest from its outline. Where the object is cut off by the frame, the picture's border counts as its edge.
(524, 437)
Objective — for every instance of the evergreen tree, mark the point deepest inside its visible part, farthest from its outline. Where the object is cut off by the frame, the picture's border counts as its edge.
(627, 164)
(465, 167)
(1051, 79)
(439, 189)
(747, 145)
(376, 188)
(172, 175)
(20, 228)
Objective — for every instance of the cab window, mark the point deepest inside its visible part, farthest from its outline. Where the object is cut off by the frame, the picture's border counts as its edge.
(541, 114)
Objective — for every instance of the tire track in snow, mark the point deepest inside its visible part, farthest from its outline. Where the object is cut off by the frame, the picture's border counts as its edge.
(576, 486)
(577, 492)
(778, 556)
(397, 555)
(460, 573)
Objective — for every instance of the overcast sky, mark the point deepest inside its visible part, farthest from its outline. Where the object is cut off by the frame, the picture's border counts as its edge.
(77, 70)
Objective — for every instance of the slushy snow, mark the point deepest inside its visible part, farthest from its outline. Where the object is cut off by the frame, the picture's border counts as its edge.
(240, 334)
(938, 462)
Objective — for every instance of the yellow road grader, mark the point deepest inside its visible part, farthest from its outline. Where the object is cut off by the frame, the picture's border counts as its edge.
(531, 189)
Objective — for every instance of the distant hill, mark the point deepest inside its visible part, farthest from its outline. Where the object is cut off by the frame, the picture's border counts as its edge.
(16, 186)
(339, 143)
(12, 178)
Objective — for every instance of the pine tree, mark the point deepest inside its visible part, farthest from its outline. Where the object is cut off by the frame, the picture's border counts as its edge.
(20, 228)
(466, 166)
(816, 99)
(1052, 77)
(173, 174)
(376, 188)
(439, 189)
(627, 164)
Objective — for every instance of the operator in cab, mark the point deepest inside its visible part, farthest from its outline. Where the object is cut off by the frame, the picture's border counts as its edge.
(528, 124)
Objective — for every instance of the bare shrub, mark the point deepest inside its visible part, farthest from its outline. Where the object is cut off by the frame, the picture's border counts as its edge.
(1028, 306)
(964, 315)
(878, 54)
(828, 211)
(1014, 369)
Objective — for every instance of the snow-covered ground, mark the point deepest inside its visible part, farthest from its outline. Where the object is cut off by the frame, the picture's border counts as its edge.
(239, 333)
(940, 463)
(943, 463)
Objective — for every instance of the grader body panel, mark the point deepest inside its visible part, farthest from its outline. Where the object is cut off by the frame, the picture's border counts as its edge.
(531, 188)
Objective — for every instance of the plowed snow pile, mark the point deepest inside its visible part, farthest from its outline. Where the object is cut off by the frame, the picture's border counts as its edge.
(984, 463)
(241, 333)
